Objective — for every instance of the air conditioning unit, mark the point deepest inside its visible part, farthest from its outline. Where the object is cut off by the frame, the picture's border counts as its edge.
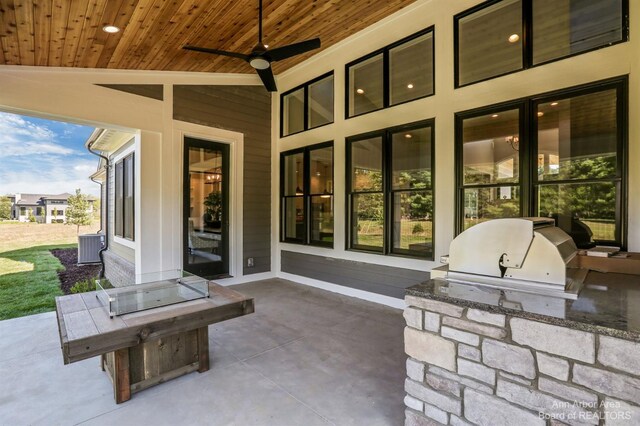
(89, 246)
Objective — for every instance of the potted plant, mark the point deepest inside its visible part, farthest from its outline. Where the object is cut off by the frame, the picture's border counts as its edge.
(213, 209)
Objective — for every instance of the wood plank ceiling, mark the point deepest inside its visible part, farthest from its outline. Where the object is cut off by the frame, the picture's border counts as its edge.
(68, 33)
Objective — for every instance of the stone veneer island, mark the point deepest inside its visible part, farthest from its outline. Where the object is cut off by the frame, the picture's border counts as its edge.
(483, 356)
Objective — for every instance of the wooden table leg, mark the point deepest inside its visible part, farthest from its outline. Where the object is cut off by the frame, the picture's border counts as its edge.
(203, 349)
(121, 381)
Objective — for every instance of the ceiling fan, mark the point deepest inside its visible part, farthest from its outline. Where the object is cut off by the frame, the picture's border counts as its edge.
(261, 56)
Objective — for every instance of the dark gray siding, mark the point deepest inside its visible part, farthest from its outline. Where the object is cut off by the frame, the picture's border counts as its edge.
(359, 275)
(153, 91)
(247, 110)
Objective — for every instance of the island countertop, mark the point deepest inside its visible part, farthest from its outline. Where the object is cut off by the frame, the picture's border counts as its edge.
(608, 304)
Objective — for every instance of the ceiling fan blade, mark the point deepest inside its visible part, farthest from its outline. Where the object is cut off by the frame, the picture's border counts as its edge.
(294, 49)
(266, 75)
(217, 52)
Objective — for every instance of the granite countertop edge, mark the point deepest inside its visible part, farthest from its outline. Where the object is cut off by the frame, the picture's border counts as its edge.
(420, 291)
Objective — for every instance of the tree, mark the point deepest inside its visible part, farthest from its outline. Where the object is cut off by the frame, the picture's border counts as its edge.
(5, 208)
(77, 212)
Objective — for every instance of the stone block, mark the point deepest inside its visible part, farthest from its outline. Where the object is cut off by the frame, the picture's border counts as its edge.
(443, 384)
(434, 306)
(514, 378)
(431, 321)
(553, 339)
(620, 413)
(474, 327)
(465, 381)
(415, 370)
(487, 410)
(469, 352)
(486, 317)
(413, 403)
(457, 421)
(606, 382)
(511, 358)
(430, 348)
(552, 366)
(619, 354)
(425, 394)
(553, 408)
(412, 418)
(436, 414)
(570, 393)
(413, 317)
(476, 371)
(460, 336)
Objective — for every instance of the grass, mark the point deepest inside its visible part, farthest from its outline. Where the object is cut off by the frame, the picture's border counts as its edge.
(28, 271)
(371, 233)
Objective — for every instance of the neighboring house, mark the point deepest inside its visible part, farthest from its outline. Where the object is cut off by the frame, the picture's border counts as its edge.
(373, 154)
(45, 208)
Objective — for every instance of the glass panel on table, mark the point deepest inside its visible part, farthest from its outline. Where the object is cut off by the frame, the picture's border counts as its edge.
(577, 137)
(491, 145)
(586, 211)
(367, 221)
(411, 159)
(490, 42)
(412, 223)
(411, 70)
(293, 174)
(481, 204)
(566, 27)
(293, 112)
(366, 165)
(366, 86)
(320, 102)
(322, 220)
(294, 218)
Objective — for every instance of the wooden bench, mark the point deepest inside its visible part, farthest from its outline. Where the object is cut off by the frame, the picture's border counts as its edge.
(145, 348)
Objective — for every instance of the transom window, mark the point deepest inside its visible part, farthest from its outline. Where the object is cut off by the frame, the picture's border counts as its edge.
(568, 166)
(390, 191)
(307, 106)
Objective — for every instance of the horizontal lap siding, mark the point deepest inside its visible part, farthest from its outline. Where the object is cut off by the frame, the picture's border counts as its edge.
(370, 277)
(247, 110)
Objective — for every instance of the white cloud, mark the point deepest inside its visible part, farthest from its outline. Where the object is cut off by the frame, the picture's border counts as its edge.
(19, 137)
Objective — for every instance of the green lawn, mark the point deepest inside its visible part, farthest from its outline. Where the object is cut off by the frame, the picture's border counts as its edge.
(28, 271)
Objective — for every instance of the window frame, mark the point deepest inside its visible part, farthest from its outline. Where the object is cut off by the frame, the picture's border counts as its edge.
(527, 39)
(119, 201)
(386, 72)
(528, 181)
(305, 86)
(387, 189)
(306, 194)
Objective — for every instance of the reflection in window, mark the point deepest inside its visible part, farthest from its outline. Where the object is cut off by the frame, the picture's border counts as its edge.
(307, 106)
(411, 70)
(565, 27)
(293, 192)
(366, 85)
(482, 204)
(293, 117)
(490, 42)
(321, 192)
(320, 102)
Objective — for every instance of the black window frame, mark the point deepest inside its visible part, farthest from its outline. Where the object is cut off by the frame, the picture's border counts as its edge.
(528, 180)
(121, 213)
(527, 39)
(386, 76)
(305, 86)
(306, 194)
(387, 190)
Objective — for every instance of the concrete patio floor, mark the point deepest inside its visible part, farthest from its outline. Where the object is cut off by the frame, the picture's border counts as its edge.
(305, 357)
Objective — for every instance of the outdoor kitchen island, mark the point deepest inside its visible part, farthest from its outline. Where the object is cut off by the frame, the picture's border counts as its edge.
(486, 356)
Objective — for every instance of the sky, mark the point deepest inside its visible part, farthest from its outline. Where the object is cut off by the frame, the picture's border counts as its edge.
(40, 156)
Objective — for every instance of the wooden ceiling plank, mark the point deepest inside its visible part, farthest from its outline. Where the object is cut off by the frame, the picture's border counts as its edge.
(42, 31)
(86, 53)
(59, 17)
(24, 21)
(138, 27)
(75, 26)
(9, 33)
(121, 20)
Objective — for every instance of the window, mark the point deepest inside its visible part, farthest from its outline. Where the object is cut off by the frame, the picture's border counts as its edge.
(398, 73)
(569, 166)
(307, 106)
(23, 211)
(39, 211)
(307, 195)
(124, 193)
(390, 191)
(499, 37)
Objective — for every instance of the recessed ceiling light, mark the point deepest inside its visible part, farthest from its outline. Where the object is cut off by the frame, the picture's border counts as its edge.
(495, 116)
(359, 91)
(408, 136)
(111, 29)
(410, 86)
(554, 103)
(266, 46)
(514, 38)
(540, 113)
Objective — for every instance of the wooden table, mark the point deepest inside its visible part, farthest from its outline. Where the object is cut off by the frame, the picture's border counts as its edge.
(142, 349)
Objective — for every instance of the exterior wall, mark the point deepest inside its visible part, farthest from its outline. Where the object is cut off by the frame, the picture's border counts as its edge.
(245, 110)
(118, 270)
(359, 275)
(468, 366)
(621, 59)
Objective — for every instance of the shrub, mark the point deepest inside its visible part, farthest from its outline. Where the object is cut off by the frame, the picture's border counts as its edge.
(417, 228)
(84, 286)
